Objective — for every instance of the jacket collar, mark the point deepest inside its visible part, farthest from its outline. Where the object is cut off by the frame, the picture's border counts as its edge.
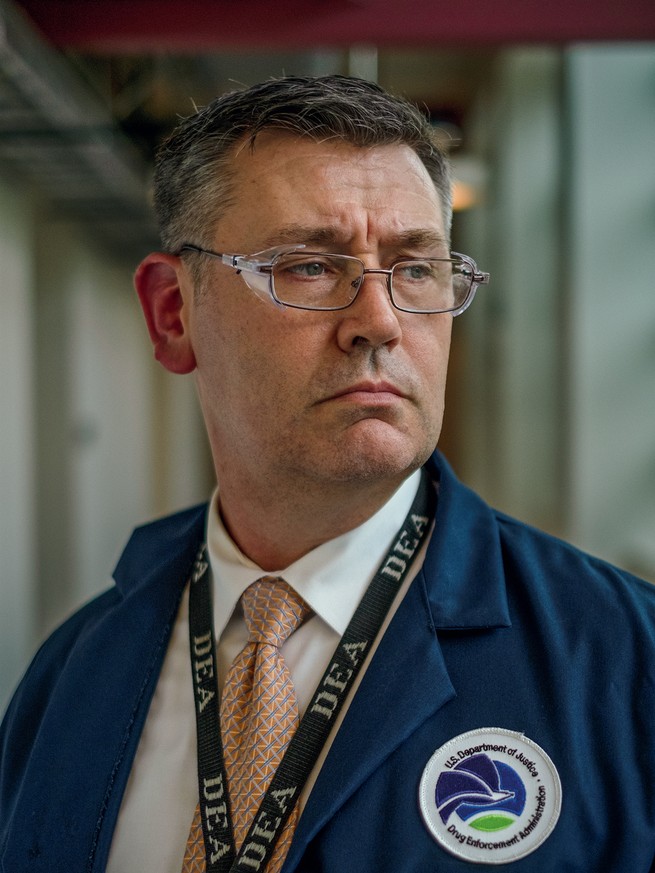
(464, 561)
(162, 551)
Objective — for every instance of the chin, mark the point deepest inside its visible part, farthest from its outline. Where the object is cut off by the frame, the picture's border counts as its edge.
(390, 462)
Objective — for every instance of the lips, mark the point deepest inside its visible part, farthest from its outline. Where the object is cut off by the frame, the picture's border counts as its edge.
(371, 391)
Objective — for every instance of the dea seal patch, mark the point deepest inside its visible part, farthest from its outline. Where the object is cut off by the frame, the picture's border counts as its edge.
(490, 796)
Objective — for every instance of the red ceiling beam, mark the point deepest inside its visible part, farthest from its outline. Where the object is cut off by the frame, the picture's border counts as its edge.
(151, 26)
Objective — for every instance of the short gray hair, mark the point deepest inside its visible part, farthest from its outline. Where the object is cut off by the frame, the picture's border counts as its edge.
(192, 174)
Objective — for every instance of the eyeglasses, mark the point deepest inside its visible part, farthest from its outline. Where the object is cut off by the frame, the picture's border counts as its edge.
(293, 276)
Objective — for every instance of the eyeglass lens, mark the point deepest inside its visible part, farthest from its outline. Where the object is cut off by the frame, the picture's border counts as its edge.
(322, 281)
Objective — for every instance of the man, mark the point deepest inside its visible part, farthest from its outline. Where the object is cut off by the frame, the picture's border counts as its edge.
(487, 700)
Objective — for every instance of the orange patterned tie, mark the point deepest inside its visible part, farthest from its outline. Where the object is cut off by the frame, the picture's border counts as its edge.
(259, 715)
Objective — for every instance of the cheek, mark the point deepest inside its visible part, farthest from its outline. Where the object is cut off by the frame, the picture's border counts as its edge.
(253, 356)
(432, 349)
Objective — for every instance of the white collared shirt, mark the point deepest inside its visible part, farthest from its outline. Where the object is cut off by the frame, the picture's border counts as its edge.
(162, 790)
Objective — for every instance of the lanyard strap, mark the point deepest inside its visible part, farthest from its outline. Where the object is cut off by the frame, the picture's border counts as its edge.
(321, 714)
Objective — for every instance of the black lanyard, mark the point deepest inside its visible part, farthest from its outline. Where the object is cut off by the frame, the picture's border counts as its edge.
(316, 724)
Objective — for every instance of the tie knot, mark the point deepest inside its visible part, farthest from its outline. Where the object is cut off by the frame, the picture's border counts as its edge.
(272, 610)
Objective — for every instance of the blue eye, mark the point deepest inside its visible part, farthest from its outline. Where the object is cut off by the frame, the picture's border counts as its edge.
(416, 271)
(310, 269)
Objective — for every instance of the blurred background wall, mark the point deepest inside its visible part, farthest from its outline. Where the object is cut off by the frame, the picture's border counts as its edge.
(551, 401)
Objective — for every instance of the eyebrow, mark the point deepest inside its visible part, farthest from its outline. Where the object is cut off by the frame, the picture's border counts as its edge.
(299, 233)
(420, 238)
(334, 235)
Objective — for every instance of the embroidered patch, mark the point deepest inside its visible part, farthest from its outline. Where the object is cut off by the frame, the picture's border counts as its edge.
(490, 796)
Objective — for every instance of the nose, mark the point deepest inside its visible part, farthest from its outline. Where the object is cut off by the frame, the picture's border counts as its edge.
(371, 319)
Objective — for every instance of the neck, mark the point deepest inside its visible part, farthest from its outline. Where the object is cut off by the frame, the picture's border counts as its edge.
(275, 529)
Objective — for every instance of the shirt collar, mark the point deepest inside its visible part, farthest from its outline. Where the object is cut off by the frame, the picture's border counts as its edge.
(331, 578)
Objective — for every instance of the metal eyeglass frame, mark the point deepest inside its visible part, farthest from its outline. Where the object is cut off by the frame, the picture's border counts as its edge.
(260, 265)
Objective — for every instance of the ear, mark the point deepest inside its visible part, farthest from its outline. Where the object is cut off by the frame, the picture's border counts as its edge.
(158, 284)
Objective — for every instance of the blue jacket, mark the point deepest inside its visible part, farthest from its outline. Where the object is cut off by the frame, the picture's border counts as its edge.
(503, 626)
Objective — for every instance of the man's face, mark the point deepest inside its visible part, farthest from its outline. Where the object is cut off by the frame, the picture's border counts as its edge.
(299, 398)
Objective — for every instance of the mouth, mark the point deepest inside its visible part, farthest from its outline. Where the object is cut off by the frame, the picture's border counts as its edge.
(371, 393)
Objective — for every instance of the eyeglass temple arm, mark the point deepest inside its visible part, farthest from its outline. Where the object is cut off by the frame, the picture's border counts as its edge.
(239, 262)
